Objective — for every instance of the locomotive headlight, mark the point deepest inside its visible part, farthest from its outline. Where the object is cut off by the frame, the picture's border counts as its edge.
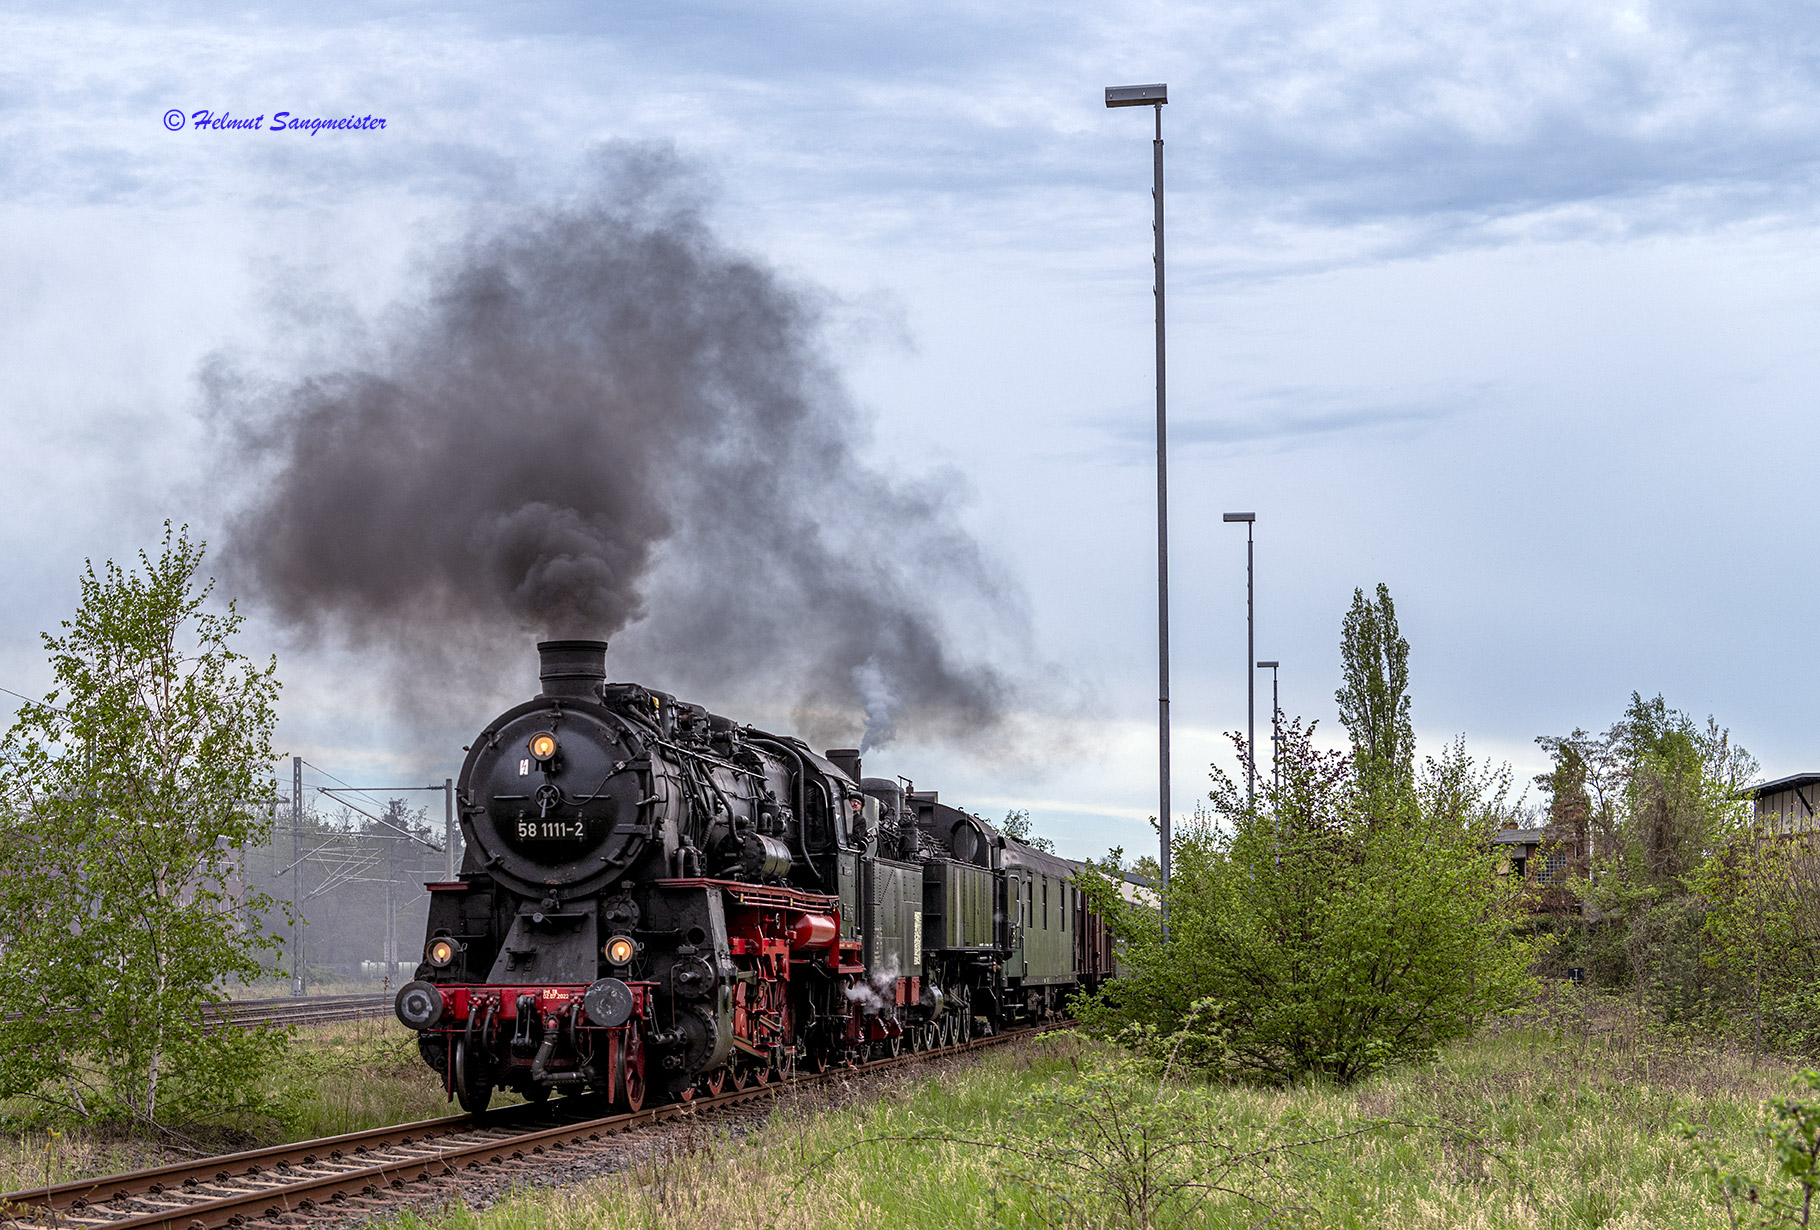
(441, 952)
(543, 745)
(620, 950)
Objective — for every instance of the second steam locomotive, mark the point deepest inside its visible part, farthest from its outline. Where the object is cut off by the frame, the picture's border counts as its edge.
(656, 900)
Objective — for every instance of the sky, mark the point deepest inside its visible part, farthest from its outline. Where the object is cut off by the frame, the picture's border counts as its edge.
(1510, 306)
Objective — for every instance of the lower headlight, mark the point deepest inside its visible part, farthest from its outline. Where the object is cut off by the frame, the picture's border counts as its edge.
(441, 952)
(620, 950)
(419, 1004)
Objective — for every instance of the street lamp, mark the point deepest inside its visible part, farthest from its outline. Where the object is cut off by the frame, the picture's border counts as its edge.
(1276, 777)
(1251, 679)
(1156, 96)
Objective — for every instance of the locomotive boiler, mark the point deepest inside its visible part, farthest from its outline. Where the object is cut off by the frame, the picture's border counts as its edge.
(655, 900)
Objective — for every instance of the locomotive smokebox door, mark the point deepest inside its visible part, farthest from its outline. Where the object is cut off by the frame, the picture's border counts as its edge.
(558, 795)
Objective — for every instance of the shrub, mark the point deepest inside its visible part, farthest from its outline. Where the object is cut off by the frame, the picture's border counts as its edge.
(1329, 939)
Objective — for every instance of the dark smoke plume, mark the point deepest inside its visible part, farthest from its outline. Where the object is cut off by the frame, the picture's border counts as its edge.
(601, 421)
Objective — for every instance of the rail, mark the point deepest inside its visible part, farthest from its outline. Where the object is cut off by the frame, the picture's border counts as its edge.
(304, 1010)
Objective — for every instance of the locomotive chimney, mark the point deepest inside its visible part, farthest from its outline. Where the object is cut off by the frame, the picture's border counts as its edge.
(846, 759)
(572, 668)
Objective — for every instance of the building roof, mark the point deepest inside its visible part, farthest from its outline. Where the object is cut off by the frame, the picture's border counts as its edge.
(1544, 835)
(1793, 782)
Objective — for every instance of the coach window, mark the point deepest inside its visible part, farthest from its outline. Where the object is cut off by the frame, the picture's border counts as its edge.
(1045, 903)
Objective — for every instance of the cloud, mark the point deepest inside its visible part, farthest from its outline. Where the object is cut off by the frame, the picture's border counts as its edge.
(1292, 417)
(599, 418)
(1417, 126)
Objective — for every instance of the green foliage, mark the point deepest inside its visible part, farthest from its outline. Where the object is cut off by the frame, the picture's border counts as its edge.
(1653, 794)
(1792, 1128)
(1330, 939)
(1374, 703)
(128, 793)
(1682, 789)
(1017, 825)
(1674, 899)
(1760, 904)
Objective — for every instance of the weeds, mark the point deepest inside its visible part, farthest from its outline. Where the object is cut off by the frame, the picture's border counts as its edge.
(1562, 1121)
(329, 1080)
(1792, 1127)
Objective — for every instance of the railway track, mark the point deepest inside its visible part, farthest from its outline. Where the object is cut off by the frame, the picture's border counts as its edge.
(340, 1178)
(306, 1010)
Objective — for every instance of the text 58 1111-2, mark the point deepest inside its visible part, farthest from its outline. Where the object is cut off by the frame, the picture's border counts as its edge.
(572, 830)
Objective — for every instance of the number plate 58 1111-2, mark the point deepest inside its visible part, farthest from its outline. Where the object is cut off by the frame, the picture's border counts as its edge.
(553, 830)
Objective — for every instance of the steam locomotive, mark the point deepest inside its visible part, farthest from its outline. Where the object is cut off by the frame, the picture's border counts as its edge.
(656, 901)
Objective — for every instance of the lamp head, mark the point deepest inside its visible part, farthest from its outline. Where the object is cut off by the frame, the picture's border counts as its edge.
(1238, 516)
(1136, 95)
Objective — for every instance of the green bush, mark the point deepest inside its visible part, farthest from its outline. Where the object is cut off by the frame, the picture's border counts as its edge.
(1323, 937)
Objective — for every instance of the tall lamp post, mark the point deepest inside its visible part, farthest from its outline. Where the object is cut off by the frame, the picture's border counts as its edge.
(1251, 678)
(1276, 776)
(1155, 96)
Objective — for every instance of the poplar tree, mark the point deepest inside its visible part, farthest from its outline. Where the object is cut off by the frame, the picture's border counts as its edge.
(1374, 705)
(129, 793)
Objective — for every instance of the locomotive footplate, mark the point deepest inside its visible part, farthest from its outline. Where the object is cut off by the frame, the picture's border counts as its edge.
(533, 1037)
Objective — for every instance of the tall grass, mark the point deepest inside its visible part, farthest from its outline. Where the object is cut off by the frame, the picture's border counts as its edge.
(1564, 1121)
(331, 1079)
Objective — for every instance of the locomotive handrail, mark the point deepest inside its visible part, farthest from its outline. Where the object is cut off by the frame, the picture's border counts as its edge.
(757, 894)
(694, 754)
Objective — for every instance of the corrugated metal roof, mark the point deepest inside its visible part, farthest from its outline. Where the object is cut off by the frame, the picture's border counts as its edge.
(1781, 783)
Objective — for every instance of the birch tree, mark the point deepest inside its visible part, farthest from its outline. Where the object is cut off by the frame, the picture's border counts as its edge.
(130, 792)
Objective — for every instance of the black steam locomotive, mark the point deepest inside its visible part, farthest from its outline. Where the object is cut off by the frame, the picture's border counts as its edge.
(655, 900)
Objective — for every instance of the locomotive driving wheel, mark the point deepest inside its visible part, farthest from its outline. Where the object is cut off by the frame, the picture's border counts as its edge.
(630, 1095)
(473, 1079)
(714, 1082)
